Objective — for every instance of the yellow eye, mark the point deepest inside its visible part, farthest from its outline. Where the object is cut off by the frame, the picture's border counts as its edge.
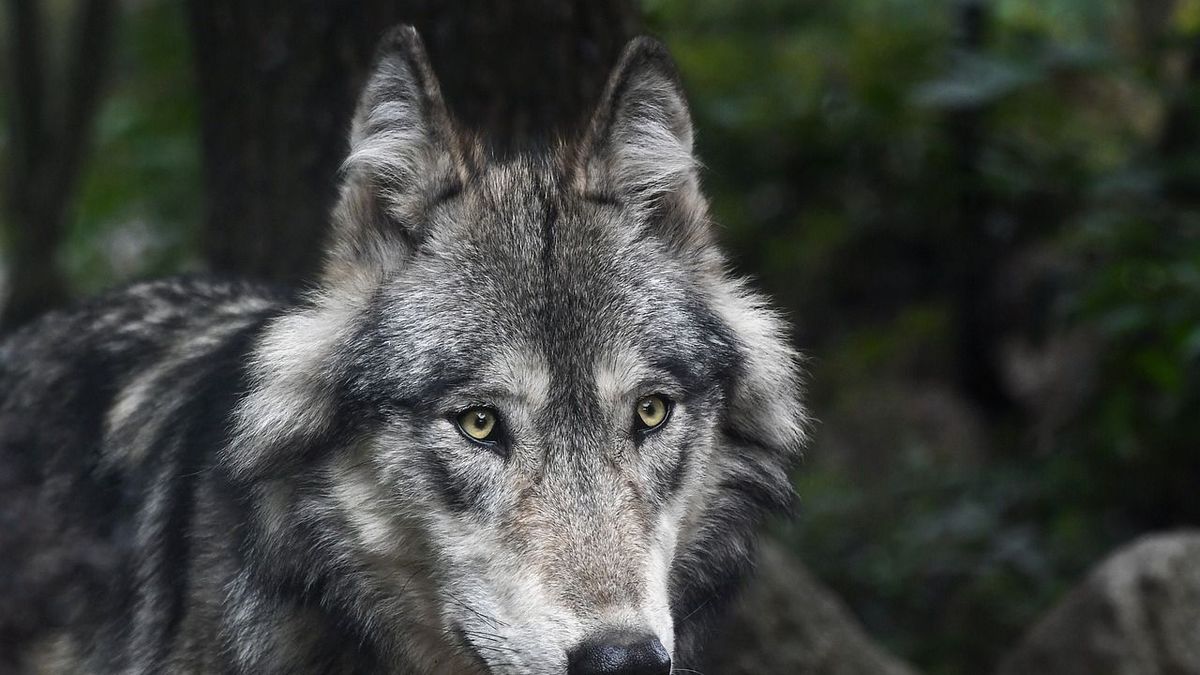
(479, 424)
(652, 412)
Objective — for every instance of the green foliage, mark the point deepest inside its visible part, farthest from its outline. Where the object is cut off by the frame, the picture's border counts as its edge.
(1139, 429)
(867, 162)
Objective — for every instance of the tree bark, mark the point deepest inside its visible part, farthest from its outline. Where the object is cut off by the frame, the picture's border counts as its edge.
(278, 81)
(51, 138)
(1181, 135)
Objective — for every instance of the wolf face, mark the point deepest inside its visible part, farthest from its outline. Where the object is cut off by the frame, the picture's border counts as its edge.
(527, 422)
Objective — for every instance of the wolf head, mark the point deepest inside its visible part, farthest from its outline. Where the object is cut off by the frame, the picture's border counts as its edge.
(527, 422)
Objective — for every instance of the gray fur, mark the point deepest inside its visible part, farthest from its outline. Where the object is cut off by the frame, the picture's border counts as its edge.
(201, 476)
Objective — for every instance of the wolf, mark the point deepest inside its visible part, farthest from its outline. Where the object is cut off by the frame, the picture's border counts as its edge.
(525, 420)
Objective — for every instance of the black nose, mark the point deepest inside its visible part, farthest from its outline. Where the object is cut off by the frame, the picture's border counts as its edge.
(620, 653)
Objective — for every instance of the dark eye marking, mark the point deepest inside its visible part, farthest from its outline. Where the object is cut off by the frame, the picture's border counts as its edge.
(674, 478)
(458, 495)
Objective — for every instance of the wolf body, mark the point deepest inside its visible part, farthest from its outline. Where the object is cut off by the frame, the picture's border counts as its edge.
(213, 476)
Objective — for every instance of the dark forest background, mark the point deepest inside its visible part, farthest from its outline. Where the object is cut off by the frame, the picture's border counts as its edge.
(982, 217)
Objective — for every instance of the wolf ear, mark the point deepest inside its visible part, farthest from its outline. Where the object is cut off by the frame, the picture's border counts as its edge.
(404, 154)
(638, 147)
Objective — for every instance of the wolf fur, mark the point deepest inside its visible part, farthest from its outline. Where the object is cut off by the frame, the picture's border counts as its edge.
(203, 476)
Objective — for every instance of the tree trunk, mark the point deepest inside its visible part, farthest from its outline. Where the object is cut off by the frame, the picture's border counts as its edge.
(51, 129)
(1181, 135)
(278, 80)
(979, 251)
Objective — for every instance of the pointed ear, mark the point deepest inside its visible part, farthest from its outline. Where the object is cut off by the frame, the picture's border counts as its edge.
(405, 154)
(638, 146)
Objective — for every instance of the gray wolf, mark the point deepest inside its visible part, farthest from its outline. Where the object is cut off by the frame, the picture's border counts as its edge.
(525, 421)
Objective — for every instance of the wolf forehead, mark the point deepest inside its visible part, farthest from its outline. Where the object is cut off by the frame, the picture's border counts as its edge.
(526, 275)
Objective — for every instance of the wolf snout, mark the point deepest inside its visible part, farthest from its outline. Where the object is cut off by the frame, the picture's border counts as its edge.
(620, 653)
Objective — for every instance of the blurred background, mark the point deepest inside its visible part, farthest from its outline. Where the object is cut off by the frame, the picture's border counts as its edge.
(983, 218)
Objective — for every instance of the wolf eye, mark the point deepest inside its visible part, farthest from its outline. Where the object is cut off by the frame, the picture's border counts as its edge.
(652, 411)
(478, 424)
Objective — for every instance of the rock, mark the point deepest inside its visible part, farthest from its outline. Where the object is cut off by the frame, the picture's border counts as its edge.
(1138, 613)
(787, 622)
(890, 424)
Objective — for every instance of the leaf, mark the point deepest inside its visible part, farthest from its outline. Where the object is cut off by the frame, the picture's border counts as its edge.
(974, 81)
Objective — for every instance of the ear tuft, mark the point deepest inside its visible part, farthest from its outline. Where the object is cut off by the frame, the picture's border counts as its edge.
(401, 115)
(638, 147)
(404, 153)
